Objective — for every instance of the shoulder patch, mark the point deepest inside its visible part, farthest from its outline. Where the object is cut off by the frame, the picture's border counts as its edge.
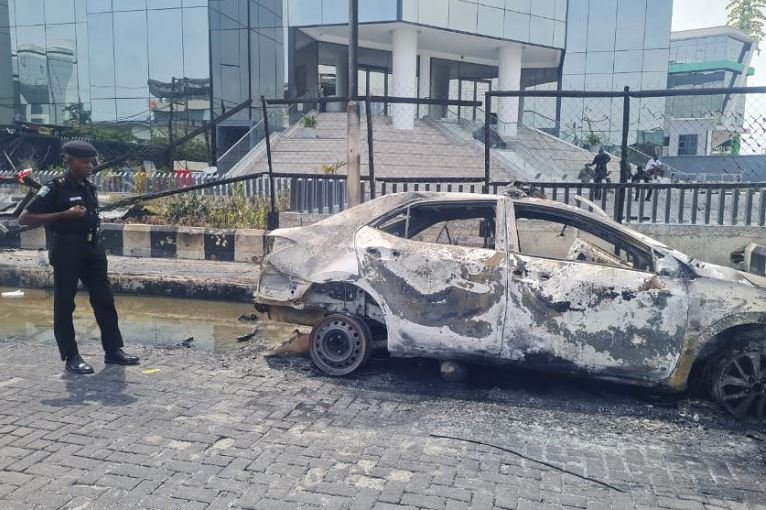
(43, 191)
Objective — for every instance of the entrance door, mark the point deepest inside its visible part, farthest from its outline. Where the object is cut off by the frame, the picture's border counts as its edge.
(439, 274)
(584, 297)
(375, 80)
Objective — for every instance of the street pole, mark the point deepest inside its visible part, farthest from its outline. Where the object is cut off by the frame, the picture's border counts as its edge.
(170, 123)
(353, 191)
(624, 161)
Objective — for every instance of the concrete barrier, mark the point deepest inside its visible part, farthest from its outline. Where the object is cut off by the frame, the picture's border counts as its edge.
(157, 241)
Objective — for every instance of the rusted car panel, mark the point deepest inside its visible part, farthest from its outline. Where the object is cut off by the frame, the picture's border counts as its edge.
(642, 318)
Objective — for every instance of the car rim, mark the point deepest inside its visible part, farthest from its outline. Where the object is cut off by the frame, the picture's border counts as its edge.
(742, 386)
(339, 345)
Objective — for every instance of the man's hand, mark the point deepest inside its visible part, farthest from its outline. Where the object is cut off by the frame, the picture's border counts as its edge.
(74, 213)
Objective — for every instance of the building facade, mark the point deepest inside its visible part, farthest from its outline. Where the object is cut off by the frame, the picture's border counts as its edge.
(717, 57)
(126, 61)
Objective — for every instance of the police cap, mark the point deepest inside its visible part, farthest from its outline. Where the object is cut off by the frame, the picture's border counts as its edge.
(78, 149)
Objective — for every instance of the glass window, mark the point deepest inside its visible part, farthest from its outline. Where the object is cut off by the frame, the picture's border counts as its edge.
(659, 17)
(59, 11)
(544, 8)
(577, 29)
(463, 16)
(432, 12)
(103, 110)
(30, 12)
(524, 6)
(195, 3)
(561, 10)
(517, 26)
(101, 53)
(602, 25)
(304, 12)
(335, 11)
(62, 63)
(687, 145)
(130, 5)
(196, 60)
(631, 18)
(83, 65)
(375, 10)
(541, 31)
(130, 54)
(490, 21)
(599, 62)
(162, 4)
(135, 110)
(80, 11)
(165, 39)
(96, 6)
(656, 60)
(574, 63)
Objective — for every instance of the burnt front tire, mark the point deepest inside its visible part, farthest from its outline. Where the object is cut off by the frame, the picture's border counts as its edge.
(739, 382)
(340, 344)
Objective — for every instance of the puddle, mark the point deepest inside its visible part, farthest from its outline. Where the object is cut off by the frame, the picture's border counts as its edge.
(213, 325)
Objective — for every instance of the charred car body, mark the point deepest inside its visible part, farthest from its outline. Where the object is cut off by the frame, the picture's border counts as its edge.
(513, 279)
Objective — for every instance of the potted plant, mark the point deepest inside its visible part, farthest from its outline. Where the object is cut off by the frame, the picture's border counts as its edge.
(592, 141)
(309, 123)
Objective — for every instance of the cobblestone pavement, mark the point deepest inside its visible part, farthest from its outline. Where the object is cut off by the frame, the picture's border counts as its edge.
(233, 431)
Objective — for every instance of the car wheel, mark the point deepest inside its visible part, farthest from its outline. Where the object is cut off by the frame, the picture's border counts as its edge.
(340, 344)
(739, 383)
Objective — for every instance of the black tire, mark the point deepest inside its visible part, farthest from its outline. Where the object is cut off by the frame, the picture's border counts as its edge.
(739, 382)
(340, 344)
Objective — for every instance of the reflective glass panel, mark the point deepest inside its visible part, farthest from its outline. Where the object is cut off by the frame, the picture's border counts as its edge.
(103, 110)
(129, 5)
(97, 6)
(62, 63)
(162, 4)
(195, 41)
(376, 10)
(101, 56)
(59, 11)
(130, 54)
(165, 44)
(30, 12)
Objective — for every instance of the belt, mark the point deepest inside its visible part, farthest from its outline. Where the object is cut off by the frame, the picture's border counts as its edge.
(88, 237)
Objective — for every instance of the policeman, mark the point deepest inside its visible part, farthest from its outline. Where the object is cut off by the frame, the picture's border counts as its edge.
(68, 207)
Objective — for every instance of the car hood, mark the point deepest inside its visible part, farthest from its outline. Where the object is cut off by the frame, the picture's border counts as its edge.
(727, 274)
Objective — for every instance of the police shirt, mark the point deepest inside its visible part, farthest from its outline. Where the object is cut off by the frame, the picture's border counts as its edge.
(62, 194)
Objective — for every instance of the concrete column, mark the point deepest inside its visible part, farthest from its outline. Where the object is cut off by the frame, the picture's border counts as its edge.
(341, 73)
(509, 79)
(405, 76)
(425, 83)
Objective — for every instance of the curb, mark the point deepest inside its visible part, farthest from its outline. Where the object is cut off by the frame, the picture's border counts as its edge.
(140, 285)
(159, 241)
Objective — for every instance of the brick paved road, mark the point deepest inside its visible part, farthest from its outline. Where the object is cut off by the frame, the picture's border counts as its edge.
(222, 431)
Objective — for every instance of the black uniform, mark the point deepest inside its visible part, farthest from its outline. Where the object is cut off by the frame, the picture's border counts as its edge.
(600, 161)
(76, 253)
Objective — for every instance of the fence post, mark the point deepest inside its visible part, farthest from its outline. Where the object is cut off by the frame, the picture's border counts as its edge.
(273, 218)
(370, 150)
(624, 164)
(487, 128)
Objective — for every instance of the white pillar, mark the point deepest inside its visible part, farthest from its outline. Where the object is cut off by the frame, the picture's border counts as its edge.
(405, 76)
(425, 83)
(341, 74)
(509, 79)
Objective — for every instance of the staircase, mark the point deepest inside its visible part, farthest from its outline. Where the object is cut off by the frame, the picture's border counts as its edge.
(426, 152)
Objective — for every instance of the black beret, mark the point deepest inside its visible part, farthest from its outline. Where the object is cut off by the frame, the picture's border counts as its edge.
(78, 149)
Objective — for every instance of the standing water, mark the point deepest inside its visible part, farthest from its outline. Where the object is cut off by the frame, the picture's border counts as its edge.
(214, 326)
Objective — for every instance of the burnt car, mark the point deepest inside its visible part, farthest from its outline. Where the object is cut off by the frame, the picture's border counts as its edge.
(518, 280)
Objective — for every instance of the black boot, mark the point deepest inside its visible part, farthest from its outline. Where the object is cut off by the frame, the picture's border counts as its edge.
(119, 357)
(76, 365)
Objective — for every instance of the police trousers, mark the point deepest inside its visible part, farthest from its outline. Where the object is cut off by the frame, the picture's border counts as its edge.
(74, 259)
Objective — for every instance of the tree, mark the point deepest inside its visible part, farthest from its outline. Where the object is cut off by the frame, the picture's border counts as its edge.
(748, 16)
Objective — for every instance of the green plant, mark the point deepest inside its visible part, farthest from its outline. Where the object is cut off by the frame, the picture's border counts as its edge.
(309, 121)
(332, 169)
(234, 211)
(748, 16)
(593, 139)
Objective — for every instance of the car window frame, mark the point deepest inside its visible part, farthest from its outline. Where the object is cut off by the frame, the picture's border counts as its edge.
(498, 203)
(564, 215)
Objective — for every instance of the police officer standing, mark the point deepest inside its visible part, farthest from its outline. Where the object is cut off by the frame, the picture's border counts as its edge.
(68, 207)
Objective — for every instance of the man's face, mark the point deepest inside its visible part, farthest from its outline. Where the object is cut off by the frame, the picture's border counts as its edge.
(81, 167)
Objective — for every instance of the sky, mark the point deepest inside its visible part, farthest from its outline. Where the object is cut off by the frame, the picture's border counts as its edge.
(688, 14)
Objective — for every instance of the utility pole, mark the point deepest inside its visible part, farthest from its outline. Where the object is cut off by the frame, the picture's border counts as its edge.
(354, 159)
(170, 122)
